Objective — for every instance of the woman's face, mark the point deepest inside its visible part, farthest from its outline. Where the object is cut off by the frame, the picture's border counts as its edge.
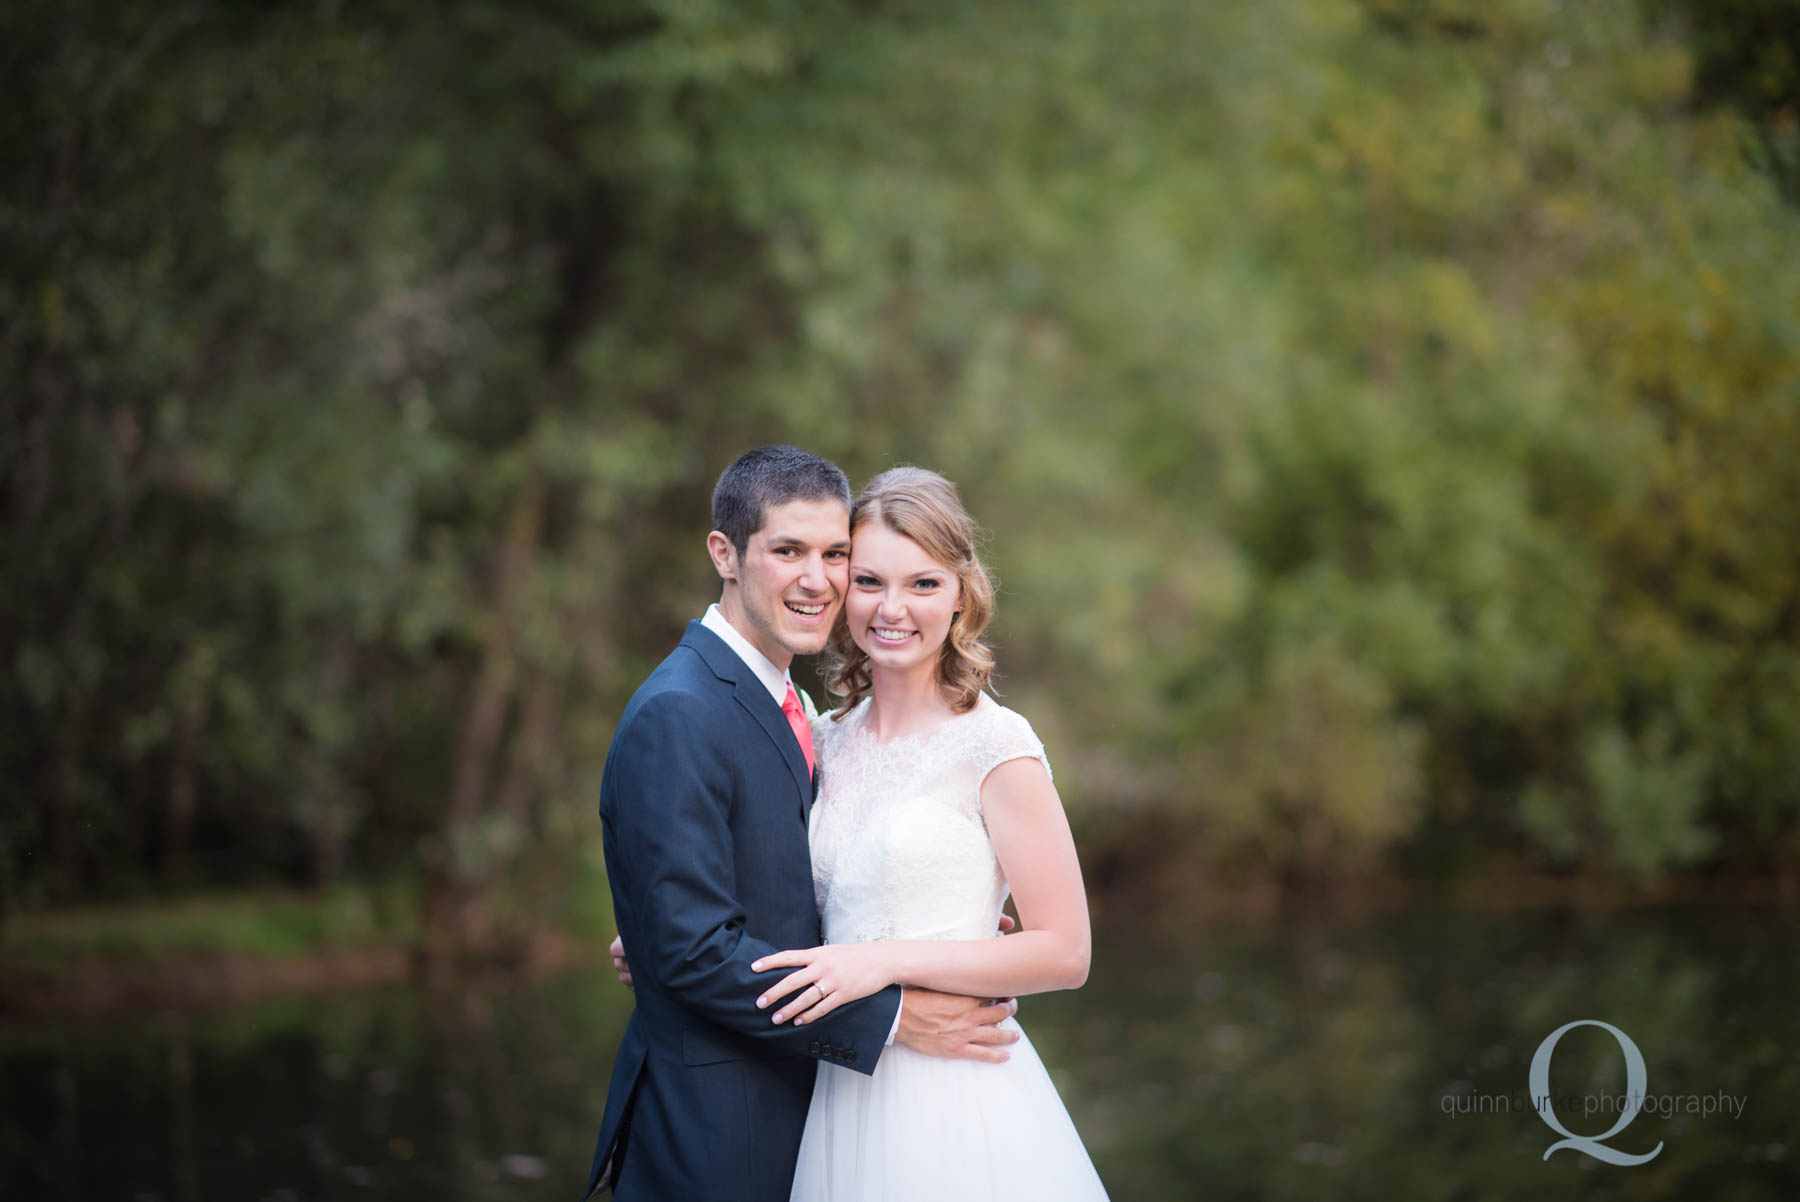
(900, 600)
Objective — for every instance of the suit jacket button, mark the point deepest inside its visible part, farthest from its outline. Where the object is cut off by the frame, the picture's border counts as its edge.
(850, 1056)
(813, 1048)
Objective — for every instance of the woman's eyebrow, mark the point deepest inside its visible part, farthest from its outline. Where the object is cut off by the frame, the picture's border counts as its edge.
(858, 568)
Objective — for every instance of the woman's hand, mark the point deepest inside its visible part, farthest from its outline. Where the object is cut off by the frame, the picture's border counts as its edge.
(829, 976)
(623, 966)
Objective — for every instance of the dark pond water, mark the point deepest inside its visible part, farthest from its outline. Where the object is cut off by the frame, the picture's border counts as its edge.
(1385, 1058)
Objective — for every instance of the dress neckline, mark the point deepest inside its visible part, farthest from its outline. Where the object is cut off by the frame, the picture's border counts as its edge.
(861, 714)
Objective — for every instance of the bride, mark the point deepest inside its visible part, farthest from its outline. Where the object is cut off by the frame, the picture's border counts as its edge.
(935, 801)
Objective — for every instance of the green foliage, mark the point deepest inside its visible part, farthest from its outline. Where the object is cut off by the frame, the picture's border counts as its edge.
(1383, 410)
(263, 923)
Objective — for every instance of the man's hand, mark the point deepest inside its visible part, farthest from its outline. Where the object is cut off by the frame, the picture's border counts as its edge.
(619, 965)
(953, 1027)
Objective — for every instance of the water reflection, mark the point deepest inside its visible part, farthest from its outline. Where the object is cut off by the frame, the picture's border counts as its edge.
(1286, 1061)
(1313, 1061)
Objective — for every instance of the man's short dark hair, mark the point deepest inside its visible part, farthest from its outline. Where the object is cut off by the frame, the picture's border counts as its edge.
(759, 480)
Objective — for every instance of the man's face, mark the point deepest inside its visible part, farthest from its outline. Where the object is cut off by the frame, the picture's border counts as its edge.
(785, 591)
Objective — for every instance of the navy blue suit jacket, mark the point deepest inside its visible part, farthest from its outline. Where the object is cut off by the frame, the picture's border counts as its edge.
(705, 799)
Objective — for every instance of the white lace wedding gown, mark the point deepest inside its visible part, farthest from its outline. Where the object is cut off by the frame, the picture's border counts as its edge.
(900, 851)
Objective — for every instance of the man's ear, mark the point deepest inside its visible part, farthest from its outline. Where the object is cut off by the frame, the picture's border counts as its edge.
(724, 555)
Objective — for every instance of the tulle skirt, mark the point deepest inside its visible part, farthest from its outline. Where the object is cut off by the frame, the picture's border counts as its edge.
(942, 1131)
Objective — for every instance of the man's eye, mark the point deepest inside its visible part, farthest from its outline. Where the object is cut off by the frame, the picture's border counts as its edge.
(787, 552)
(837, 555)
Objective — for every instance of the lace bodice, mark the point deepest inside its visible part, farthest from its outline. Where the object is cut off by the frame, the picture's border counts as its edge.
(900, 849)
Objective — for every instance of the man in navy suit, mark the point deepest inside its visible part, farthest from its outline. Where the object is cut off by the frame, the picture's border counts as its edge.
(704, 799)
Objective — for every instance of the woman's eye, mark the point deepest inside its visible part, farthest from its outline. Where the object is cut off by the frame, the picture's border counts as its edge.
(867, 582)
(928, 584)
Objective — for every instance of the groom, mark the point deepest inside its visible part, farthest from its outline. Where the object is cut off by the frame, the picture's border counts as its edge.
(705, 799)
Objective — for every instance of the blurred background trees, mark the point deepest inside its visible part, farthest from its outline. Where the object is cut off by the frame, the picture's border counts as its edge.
(1385, 413)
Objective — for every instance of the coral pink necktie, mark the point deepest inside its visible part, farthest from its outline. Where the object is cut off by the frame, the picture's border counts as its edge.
(790, 705)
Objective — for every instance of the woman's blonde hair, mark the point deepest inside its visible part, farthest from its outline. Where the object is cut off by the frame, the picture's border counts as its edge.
(925, 507)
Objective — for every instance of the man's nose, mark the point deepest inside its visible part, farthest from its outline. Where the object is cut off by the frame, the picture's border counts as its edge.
(814, 576)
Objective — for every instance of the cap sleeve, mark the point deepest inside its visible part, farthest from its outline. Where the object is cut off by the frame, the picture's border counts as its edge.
(1007, 736)
(826, 731)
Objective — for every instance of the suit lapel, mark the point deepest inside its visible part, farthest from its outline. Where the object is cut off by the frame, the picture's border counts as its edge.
(755, 699)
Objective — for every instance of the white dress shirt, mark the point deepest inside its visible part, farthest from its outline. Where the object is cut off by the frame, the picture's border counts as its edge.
(774, 679)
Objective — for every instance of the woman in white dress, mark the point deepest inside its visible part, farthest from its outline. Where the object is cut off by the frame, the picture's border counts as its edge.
(935, 801)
